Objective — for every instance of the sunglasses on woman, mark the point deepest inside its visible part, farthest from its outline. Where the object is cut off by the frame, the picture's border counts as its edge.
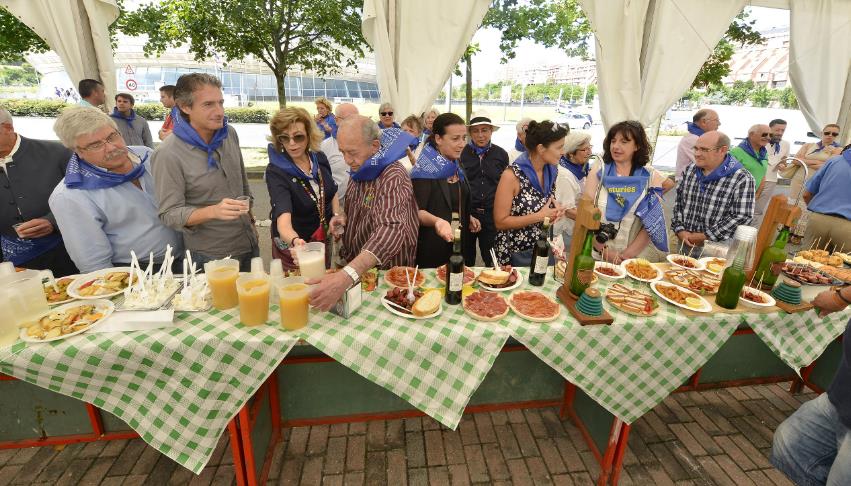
(386, 113)
(832, 134)
(286, 139)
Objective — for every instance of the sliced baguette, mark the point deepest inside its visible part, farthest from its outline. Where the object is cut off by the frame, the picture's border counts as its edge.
(427, 304)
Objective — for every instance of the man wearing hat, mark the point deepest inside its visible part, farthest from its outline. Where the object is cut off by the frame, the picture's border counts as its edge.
(483, 163)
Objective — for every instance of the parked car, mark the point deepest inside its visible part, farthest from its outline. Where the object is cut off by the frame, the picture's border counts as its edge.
(575, 121)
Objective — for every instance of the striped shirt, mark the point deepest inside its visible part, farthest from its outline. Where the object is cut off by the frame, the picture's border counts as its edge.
(725, 204)
(382, 218)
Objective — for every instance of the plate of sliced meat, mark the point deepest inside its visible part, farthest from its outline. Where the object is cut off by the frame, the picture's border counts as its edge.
(395, 277)
(534, 306)
(469, 275)
(485, 306)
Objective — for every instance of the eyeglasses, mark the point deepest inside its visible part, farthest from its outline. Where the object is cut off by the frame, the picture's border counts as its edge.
(705, 150)
(765, 135)
(832, 134)
(111, 139)
(286, 139)
(385, 113)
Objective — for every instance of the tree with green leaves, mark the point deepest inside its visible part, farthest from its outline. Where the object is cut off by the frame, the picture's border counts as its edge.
(320, 36)
(740, 32)
(16, 39)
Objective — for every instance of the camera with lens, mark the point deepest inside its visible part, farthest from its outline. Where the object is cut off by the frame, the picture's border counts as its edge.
(607, 232)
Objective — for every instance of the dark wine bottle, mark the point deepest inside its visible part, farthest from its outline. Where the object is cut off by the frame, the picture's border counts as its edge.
(540, 257)
(455, 272)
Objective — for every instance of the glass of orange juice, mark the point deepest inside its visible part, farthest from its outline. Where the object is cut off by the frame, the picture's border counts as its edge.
(253, 290)
(294, 302)
(221, 277)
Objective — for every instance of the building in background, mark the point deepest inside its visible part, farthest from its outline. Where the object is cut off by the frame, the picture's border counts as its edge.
(766, 64)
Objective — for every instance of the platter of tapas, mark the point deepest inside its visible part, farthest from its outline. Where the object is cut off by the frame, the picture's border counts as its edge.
(609, 271)
(66, 320)
(756, 298)
(486, 306)
(632, 301)
(500, 280)
(700, 282)
(641, 270)
(469, 275)
(681, 297)
(396, 277)
(56, 292)
(425, 305)
(684, 261)
(534, 306)
(808, 275)
(714, 265)
(101, 284)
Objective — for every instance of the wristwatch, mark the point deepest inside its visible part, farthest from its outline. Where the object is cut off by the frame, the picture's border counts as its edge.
(352, 273)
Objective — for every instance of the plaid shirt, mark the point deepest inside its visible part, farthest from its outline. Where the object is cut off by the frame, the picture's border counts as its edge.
(717, 211)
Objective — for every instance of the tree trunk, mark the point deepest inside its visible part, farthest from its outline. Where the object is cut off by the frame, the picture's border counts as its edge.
(282, 94)
(469, 87)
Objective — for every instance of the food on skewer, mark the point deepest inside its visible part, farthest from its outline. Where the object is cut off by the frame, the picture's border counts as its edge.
(641, 269)
(632, 301)
(698, 282)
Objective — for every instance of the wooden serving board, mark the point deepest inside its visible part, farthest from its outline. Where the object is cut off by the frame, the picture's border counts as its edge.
(791, 309)
(570, 302)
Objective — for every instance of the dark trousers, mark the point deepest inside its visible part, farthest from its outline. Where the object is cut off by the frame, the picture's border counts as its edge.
(244, 260)
(485, 238)
(56, 260)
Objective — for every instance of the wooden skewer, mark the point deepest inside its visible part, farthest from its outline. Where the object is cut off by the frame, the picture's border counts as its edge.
(815, 243)
(680, 251)
(827, 245)
(759, 285)
(842, 247)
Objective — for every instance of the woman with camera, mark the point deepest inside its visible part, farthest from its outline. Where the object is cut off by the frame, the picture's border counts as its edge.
(626, 191)
(525, 194)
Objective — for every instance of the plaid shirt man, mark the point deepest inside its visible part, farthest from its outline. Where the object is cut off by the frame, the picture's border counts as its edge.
(717, 208)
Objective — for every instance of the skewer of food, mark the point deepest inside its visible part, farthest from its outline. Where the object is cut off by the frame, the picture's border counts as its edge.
(632, 301)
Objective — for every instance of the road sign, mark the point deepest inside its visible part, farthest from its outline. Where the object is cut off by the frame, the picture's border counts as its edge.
(129, 70)
(505, 94)
(131, 84)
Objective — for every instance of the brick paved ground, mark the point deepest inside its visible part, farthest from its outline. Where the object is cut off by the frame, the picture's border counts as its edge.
(698, 438)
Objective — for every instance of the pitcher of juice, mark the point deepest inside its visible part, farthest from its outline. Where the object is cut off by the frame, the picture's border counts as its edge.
(294, 302)
(253, 291)
(221, 277)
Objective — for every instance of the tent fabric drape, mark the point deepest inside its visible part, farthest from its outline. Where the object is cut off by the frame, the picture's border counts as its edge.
(417, 45)
(78, 31)
(820, 62)
(649, 51)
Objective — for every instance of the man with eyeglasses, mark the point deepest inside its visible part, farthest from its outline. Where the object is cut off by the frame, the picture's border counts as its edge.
(704, 120)
(329, 147)
(715, 195)
(386, 118)
(106, 205)
(778, 149)
(29, 170)
(201, 182)
(753, 154)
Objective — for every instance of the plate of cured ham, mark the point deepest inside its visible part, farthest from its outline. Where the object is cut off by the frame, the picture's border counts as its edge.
(485, 306)
(395, 277)
(469, 275)
(534, 306)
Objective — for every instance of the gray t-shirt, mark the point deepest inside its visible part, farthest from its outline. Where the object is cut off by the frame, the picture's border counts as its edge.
(185, 183)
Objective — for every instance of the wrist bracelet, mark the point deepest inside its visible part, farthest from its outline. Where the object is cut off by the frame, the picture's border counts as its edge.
(292, 241)
(842, 298)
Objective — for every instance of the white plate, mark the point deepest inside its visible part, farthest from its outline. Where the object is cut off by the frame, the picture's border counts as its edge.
(83, 279)
(618, 268)
(658, 272)
(530, 318)
(104, 306)
(69, 299)
(503, 289)
(705, 261)
(698, 264)
(755, 305)
(409, 316)
(707, 307)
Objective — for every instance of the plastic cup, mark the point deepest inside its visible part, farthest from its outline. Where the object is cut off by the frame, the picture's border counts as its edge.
(246, 201)
(253, 293)
(311, 259)
(15, 227)
(221, 277)
(294, 302)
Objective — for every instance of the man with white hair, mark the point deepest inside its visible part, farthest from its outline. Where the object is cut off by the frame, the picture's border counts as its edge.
(106, 205)
(329, 147)
(703, 120)
(753, 155)
(29, 170)
(386, 117)
(519, 142)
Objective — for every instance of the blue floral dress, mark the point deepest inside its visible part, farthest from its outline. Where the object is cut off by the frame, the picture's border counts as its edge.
(527, 201)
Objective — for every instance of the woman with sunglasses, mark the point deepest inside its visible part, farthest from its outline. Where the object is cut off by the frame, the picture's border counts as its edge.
(442, 191)
(814, 154)
(386, 118)
(622, 184)
(301, 187)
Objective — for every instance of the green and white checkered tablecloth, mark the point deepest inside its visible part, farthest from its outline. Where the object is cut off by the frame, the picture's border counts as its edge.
(798, 339)
(177, 387)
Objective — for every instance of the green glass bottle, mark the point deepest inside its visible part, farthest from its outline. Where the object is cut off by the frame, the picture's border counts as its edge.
(774, 254)
(583, 267)
(540, 257)
(732, 281)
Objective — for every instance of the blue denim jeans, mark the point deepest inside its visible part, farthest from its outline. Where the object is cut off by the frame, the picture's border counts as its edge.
(812, 447)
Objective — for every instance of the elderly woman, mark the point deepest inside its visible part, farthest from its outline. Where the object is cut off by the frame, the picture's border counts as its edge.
(572, 169)
(526, 194)
(325, 118)
(814, 154)
(621, 183)
(442, 191)
(428, 119)
(302, 190)
(520, 141)
(386, 118)
(413, 125)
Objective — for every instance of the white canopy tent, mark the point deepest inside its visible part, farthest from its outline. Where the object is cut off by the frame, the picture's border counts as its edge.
(417, 45)
(78, 31)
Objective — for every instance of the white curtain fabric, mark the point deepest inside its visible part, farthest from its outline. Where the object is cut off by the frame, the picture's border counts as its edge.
(417, 45)
(649, 51)
(820, 62)
(78, 31)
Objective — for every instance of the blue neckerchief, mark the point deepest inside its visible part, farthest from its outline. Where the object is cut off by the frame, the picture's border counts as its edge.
(579, 171)
(694, 129)
(332, 122)
(746, 146)
(283, 161)
(479, 151)
(20, 251)
(119, 116)
(185, 132)
(820, 146)
(649, 211)
(518, 145)
(727, 168)
(426, 132)
(776, 146)
(83, 175)
(432, 165)
(394, 145)
(381, 127)
(550, 174)
(623, 191)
